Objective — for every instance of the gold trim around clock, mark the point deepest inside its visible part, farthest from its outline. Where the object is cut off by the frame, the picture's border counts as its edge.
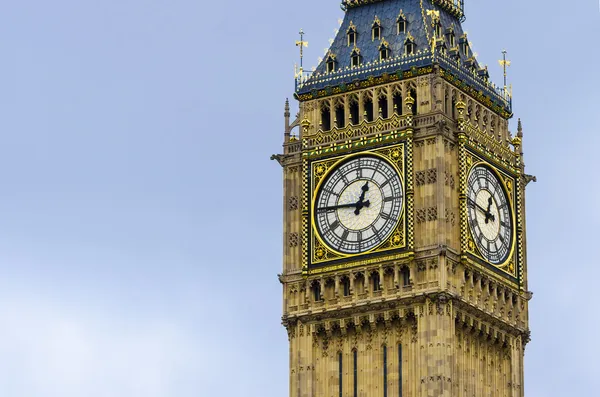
(395, 157)
(472, 247)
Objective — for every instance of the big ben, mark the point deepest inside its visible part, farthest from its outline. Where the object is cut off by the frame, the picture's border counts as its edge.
(404, 268)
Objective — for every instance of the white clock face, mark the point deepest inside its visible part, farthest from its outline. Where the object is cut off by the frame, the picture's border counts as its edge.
(358, 204)
(489, 215)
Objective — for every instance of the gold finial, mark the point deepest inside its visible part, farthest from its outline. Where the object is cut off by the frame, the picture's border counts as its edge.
(434, 14)
(504, 63)
(301, 44)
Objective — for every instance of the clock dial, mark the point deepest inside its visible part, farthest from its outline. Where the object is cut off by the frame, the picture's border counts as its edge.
(489, 215)
(358, 204)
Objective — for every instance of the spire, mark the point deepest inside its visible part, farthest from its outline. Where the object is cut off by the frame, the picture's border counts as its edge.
(286, 116)
(519, 129)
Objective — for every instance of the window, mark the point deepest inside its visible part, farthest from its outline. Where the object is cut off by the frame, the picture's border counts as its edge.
(316, 291)
(384, 50)
(397, 103)
(438, 29)
(355, 57)
(409, 45)
(346, 286)
(340, 121)
(451, 37)
(325, 119)
(376, 281)
(351, 33)
(368, 109)
(383, 107)
(331, 63)
(354, 112)
(413, 94)
(376, 29)
(405, 276)
(401, 23)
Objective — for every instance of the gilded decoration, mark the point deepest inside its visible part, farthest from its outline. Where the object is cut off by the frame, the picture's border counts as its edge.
(321, 258)
(511, 265)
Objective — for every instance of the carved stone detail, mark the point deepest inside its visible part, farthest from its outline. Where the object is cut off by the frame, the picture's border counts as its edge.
(294, 239)
(293, 203)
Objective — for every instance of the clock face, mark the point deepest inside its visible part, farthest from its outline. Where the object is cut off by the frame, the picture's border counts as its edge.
(358, 204)
(489, 215)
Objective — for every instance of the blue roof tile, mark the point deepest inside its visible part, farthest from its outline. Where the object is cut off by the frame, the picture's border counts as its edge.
(419, 26)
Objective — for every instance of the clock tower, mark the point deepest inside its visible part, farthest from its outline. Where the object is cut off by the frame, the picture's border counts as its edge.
(404, 266)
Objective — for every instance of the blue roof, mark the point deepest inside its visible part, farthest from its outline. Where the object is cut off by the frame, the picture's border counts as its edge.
(362, 14)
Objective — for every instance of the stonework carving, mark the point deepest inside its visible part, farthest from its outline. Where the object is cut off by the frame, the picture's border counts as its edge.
(293, 203)
(449, 179)
(432, 213)
(450, 217)
(294, 239)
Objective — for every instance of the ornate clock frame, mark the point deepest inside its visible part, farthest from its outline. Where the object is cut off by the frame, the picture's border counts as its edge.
(477, 147)
(396, 148)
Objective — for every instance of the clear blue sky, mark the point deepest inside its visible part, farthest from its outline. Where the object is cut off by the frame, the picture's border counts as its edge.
(140, 217)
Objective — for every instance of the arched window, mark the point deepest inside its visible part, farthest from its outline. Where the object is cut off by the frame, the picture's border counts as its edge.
(413, 94)
(382, 104)
(398, 103)
(384, 50)
(376, 29)
(325, 118)
(340, 121)
(354, 111)
(368, 109)
(351, 33)
(401, 23)
(355, 57)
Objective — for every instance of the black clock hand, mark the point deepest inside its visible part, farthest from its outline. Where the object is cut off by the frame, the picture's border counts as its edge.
(478, 206)
(334, 207)
(488, 214)
(360, 205)
(364, 190)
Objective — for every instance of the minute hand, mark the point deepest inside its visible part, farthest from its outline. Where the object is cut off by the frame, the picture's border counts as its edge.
(333, 207)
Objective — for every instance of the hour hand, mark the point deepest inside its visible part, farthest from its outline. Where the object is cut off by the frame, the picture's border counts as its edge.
(360, 205)
(364, 189)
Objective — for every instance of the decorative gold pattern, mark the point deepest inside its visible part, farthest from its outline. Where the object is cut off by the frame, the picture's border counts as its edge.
(321, 257)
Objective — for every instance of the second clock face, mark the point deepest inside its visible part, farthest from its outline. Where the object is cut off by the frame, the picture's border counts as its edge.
(489, 215)
(358, 204)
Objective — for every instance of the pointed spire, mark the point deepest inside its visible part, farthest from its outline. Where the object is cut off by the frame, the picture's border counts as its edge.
(286, 116)
(520, 129)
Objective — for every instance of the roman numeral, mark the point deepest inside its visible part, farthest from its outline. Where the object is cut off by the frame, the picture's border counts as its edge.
(345, 235)
(334, 225)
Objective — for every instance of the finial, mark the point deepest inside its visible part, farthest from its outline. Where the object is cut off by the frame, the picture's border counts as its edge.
(301, 44)
(504, 63)
(519, 129)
